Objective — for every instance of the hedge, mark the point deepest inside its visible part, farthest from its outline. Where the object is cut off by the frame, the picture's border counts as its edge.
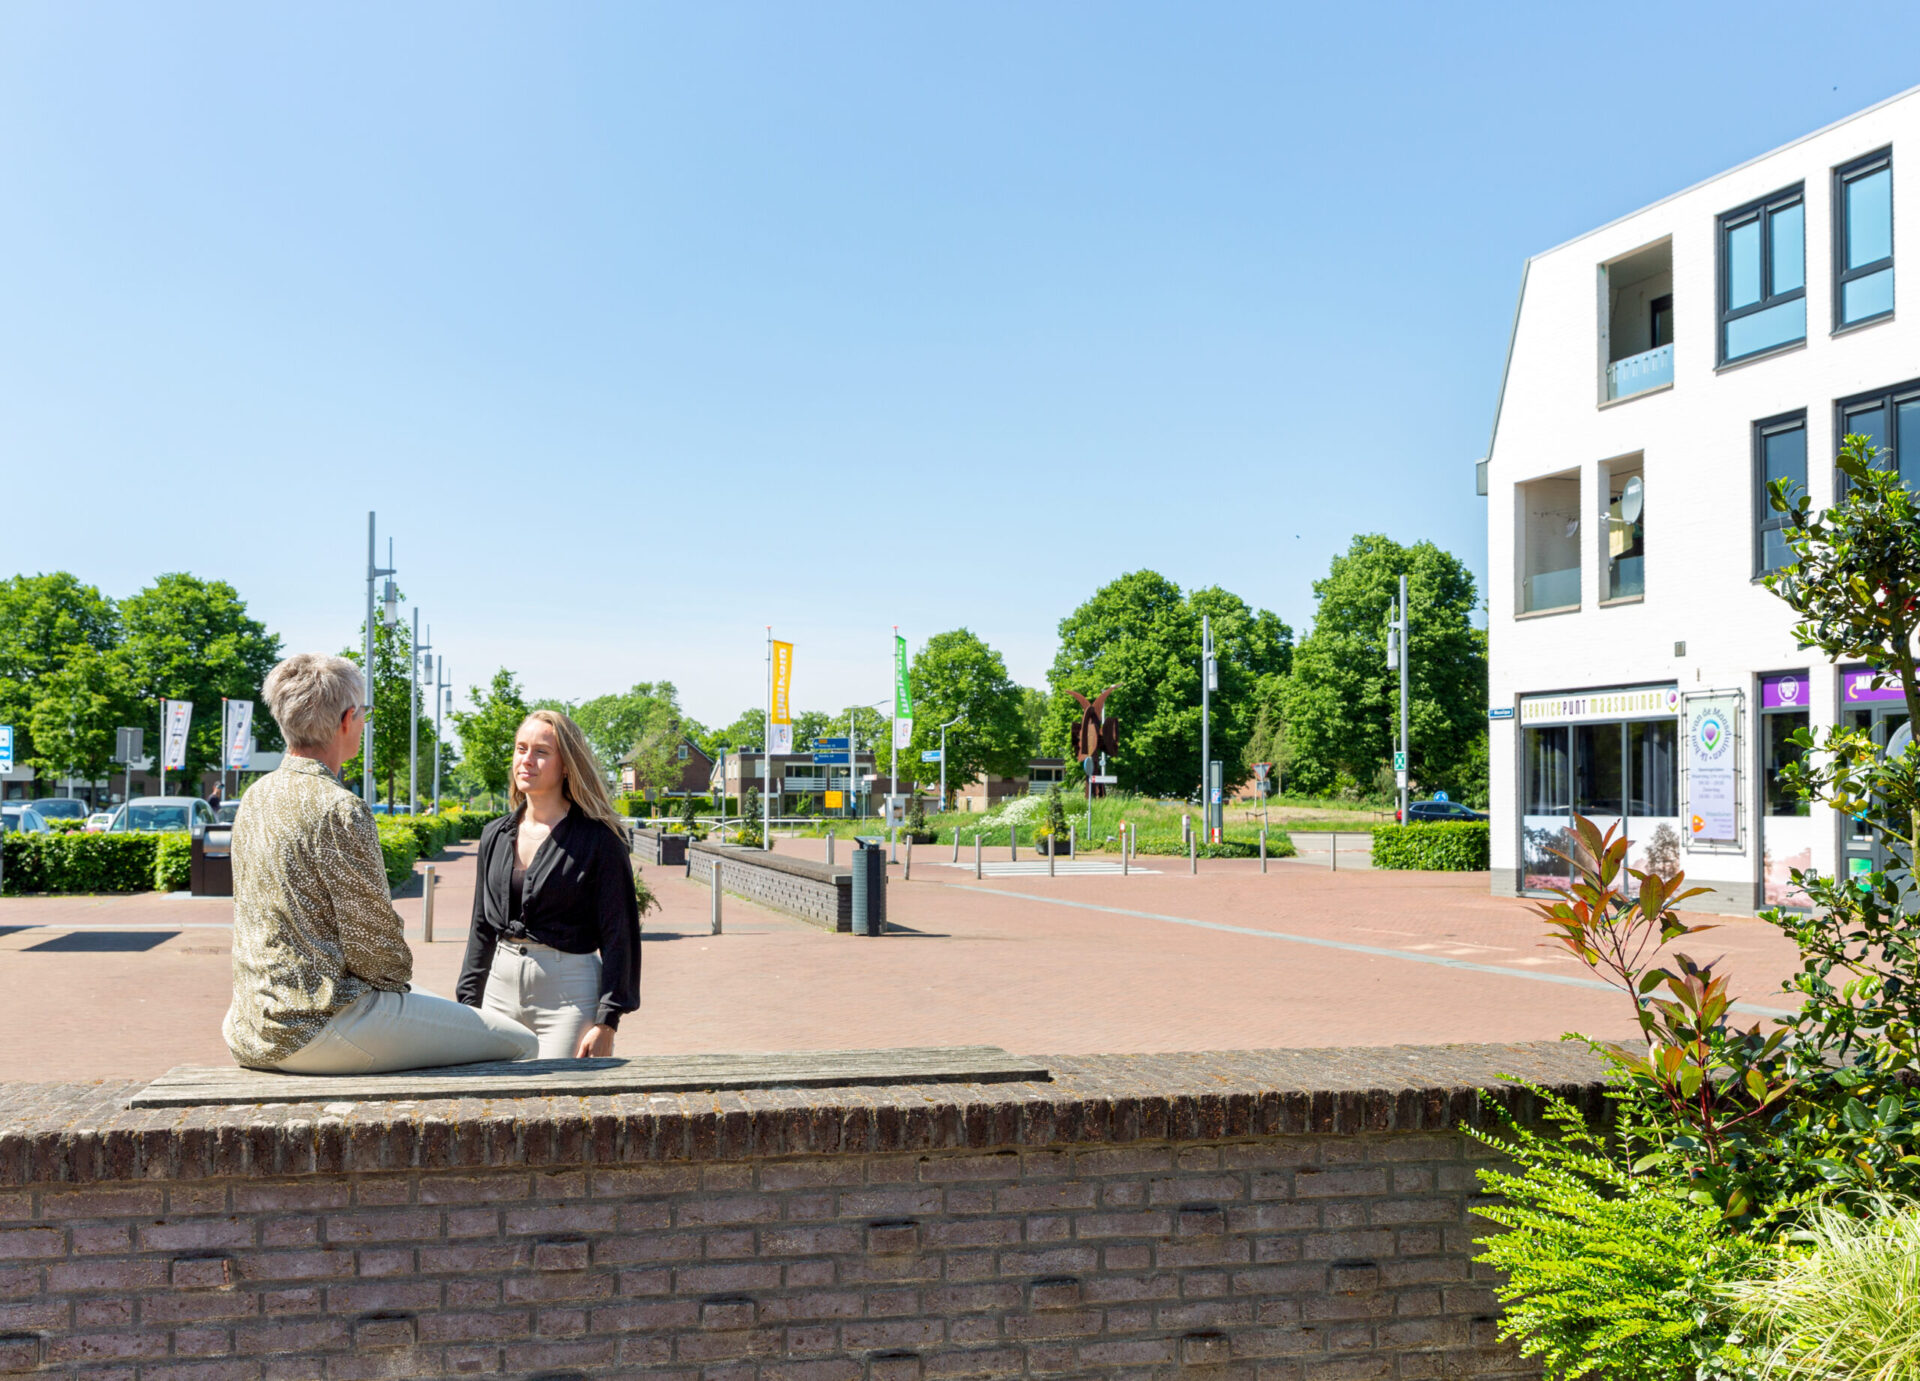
(471, 822)
(398, 850)
(431, 833)
(69, 862)
(1449, 846)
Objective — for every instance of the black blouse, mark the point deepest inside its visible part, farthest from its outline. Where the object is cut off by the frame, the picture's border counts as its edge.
(577, 897)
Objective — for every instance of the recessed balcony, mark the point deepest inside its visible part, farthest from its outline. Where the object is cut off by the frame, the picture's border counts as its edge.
(1636, 322)
(1638, 373)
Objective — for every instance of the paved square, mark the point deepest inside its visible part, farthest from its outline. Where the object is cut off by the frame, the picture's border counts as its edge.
(1077, 963)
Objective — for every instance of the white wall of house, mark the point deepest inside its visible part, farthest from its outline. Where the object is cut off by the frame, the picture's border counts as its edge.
(1696, 439)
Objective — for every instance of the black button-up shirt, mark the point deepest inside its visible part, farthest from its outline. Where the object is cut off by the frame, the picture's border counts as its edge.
(578, 897)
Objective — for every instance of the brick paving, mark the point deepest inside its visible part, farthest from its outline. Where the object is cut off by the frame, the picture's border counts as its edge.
(1301, 957)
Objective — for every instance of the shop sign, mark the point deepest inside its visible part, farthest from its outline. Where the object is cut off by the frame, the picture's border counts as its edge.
(1857, 687)
(1713, 769)
(1627, 702)
(1787, 691)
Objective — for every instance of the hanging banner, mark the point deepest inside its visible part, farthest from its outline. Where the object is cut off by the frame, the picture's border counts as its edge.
(237, 734)
(780, 730)
(902, 695)
(176, 715)
(1712, 809)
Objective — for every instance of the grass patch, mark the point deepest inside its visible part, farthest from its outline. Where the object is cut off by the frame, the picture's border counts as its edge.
(1157, 824)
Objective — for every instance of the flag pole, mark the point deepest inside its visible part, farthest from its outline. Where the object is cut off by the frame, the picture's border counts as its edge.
(766, 756)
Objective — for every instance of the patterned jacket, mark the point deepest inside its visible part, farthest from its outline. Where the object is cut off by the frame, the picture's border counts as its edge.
(313, 925)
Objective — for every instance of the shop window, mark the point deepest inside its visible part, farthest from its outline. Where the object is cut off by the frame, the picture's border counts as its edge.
(1597, 769)
(1549, 520)
(1780, 752)
(1863, 240)
(1651, 778)
(1763, 276)
(1779, 452)
(1624, 560)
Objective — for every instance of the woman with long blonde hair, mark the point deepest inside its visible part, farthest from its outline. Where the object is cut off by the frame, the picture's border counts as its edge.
(555, 943)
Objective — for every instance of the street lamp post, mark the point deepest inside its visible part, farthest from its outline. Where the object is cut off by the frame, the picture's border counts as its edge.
(374, 572)
(957, 719)
(415, 651)
(441, 693)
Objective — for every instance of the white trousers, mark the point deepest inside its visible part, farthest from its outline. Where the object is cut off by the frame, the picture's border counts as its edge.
(553, 994)
(381, 1032)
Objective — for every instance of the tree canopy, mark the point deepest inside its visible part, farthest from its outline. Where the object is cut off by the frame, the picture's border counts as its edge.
(1342, 705)
(957, 674)
(486, 731)
(1141, 634)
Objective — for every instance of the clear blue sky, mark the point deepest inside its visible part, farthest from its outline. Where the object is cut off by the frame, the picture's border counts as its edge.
(826, 316)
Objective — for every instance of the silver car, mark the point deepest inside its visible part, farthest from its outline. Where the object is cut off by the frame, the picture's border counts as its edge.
(161, 815)
(22, 818)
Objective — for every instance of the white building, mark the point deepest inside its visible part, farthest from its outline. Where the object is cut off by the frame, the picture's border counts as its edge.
(1662, 368)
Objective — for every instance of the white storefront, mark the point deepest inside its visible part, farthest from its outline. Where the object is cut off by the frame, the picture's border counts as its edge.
(1662, 369)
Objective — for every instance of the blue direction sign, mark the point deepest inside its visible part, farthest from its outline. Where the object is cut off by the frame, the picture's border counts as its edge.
(830, 745)
(930, 755)
(6, 748)
(829, 759)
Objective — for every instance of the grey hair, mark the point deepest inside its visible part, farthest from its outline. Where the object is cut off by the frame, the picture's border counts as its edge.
(309, 693)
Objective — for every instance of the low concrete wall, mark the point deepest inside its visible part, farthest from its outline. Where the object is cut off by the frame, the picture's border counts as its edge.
(814, 892)
(661, 847)
(1300, 1215)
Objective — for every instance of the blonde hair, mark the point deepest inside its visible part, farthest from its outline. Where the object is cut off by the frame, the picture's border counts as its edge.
(581, 782)
(309, 694)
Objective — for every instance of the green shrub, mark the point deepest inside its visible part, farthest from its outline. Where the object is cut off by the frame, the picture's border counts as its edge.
(431, 833)
(173, 862)
(64, 825)
(469, 824)
(398, 850)
(54, 863)
(1606, 1272)
(1444, 846)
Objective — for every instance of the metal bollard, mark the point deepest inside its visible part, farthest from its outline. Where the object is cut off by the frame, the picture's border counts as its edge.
(829, 850)
(1193, 854)
(1053, 847)
(1072, 845)
(907, 873)
(1013, 841)
(426, 904)
(956, 843)
(714, 873)
(1263, 850)
(893, 846)
(1125, 857)
(976, 853)
(1333, 848)
(1186, 829)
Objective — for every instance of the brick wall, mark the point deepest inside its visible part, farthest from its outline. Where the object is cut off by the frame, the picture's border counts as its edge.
(1235, 1220)
(814, 892)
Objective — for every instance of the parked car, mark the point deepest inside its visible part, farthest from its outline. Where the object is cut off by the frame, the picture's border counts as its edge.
(61, 808)
(1439, 810)
(98, 821)
(22, 819)
(228, 810)
(160, 815)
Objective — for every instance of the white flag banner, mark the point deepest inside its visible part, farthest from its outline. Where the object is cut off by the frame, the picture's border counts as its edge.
(902, 733)
(177, 715)
(239, 735)
(780, 738)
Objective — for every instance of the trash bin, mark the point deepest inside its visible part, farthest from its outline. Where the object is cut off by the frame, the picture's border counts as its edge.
(869, 885)
(210, 873)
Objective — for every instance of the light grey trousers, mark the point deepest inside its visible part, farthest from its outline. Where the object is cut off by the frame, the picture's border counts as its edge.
(380, 1032)
(553, 994)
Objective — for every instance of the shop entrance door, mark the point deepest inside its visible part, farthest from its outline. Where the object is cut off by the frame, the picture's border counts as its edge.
(1861, 848)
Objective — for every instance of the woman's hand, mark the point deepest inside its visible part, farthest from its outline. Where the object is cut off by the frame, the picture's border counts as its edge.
(595, 1041)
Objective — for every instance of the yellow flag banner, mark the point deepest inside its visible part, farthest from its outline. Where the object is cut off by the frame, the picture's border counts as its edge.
(780, 729)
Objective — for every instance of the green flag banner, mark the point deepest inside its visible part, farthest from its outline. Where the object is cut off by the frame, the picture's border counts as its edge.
(902, 695)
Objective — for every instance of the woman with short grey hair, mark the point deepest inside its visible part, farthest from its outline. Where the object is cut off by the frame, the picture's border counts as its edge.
(321, 966)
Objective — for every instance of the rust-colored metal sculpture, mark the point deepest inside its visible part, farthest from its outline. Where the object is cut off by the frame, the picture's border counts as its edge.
(1093, 734)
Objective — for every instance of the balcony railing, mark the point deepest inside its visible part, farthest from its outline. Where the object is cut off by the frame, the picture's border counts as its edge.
(1040, 788)
(1638, 373)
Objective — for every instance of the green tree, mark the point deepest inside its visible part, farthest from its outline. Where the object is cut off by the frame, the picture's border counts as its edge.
(45, 620)
(76, 711)
(191, 639)
(957, 674)
(1141, 634)
(810, 726)
(615, 723)
(748, 731)
(1033, 717)
(655, 754)
(486, 731)
(1342, 705)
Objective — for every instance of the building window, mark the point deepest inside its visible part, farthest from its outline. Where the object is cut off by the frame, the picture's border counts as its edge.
(1890, 419)
(1863, 240)
(683, 752)
(1624, 561)
(1550, 543)
(1779, 452)
(1763, 276)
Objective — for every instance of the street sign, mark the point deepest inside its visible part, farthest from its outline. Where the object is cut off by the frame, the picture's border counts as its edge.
(1260, 770)
(1439, 795)
(829, 759)
(831, 745)
(1400, 780)
(1500, 712)
(930, 755)
(6, 748)
(1106, 781)
(835, 800)
(1399, 762)
(129, 745)
(1216, 796)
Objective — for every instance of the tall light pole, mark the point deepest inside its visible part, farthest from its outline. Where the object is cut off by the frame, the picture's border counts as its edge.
(374, 572)
(1209, 682)
(1406, 657)
(959, 718)
(415, 650)
(440, 693)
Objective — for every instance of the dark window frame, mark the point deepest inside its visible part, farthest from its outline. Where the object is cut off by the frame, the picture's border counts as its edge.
(1761, 210)
(1842, 275)
(1654, 308)
(1889, 398)
(1764, 518)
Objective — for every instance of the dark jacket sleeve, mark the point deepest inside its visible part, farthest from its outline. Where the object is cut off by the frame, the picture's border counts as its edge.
(482, 935)
(619, 912)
